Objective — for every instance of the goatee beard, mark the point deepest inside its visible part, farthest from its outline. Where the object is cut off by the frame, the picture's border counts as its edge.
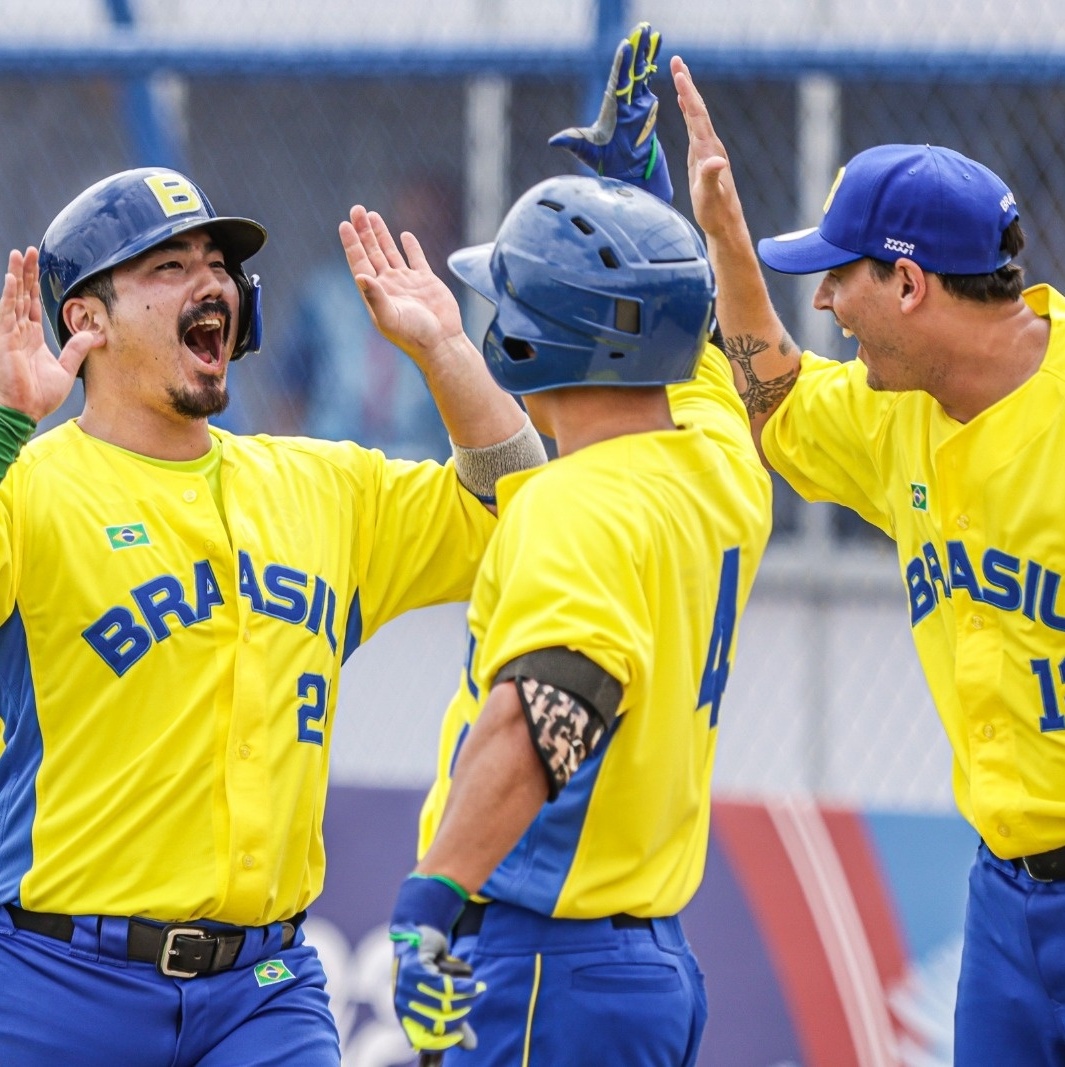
(210, 399)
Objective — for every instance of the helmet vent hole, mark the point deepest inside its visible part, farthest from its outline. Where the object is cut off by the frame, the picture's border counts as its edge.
(554, 205)
(583, 224)
(627, 316)
(518, 350)
(610, 261)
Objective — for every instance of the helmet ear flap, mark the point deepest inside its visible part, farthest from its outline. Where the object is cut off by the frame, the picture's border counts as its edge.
(250, 320)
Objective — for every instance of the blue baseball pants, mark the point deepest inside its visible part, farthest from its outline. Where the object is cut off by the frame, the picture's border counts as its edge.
(1010, 1010)
(570, 993)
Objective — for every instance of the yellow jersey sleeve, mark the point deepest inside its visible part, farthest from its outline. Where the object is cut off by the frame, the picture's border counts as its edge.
(826, 438)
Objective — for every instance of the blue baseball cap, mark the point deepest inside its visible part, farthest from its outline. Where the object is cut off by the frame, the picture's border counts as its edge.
(932, 205)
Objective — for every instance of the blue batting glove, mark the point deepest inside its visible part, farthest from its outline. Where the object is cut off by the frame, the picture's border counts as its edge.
(432, 991)
(623, 143)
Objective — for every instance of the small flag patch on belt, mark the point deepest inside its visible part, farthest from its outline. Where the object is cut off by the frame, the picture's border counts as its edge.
(127, 536)
(270, 972)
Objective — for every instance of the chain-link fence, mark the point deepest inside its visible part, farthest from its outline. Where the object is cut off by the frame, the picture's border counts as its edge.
(438, 115)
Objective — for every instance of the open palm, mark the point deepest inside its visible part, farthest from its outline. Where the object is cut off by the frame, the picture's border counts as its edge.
(32, 380)
(409, 304)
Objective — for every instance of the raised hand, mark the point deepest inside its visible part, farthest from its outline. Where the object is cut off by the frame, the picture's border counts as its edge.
(622, 142)
(714, 199)
(32, 380)
(408, 303)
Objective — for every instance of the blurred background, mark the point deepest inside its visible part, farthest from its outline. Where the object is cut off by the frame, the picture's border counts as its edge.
(438, 115)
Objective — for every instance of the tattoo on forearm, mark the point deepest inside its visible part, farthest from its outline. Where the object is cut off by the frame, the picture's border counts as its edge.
(760, 396)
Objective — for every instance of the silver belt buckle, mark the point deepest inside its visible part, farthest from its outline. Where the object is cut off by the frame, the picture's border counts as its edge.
(167, 950)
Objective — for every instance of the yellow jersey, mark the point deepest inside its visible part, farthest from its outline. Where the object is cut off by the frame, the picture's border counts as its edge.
(638, 552)
(980, 532)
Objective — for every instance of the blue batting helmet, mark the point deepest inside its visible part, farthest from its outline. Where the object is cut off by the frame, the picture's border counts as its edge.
(594, 282)
(124, 215)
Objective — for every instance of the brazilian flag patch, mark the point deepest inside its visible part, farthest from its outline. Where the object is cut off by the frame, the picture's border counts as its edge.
(127, 536)
(919, 496)
(270, 972)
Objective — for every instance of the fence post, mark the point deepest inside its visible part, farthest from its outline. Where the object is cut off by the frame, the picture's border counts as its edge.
(153, 105)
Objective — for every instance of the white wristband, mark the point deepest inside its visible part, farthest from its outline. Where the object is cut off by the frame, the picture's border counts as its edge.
(479, 468)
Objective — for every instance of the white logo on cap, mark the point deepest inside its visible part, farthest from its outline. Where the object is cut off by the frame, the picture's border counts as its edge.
(904, 248)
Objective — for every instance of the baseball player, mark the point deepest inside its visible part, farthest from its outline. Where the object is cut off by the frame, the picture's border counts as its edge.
(567, 826)
(176, 603)
(947, 433)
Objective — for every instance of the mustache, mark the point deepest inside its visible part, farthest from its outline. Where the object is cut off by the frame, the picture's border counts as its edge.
(208, 308)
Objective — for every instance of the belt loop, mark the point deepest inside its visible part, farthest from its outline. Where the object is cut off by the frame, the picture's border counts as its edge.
(261, 942)
(114, 935)
(85, 944)
(265, 941)
(669, 934)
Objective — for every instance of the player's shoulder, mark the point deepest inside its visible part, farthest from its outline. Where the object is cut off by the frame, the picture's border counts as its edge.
(556, 488)
(52, 444)
(842, 386)
(584, 482)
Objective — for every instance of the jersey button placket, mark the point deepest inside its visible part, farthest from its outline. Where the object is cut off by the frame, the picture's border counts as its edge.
(247, 776)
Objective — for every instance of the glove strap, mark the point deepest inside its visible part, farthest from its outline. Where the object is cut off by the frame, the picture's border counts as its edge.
(653, 159)
(429, 900)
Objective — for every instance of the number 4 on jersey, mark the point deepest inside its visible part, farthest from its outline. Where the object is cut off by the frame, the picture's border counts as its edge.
(715, 673)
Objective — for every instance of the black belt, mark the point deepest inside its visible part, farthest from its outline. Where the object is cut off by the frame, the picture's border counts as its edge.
(1045, 866)
(179, 950)
(469, 924)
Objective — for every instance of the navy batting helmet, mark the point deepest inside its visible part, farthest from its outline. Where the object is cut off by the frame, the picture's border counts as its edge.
(594, 282)
(124, 215)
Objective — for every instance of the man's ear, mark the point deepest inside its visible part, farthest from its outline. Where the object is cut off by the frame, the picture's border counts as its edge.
(912, 284)
(83, 313)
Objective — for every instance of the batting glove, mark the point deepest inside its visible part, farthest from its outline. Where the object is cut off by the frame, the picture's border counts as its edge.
(623, 143)
(432, 991)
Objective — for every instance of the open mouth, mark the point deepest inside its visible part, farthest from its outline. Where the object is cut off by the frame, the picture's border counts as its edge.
(205, 338)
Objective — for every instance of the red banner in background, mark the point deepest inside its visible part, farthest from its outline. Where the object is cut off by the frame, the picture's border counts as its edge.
(830, 937)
